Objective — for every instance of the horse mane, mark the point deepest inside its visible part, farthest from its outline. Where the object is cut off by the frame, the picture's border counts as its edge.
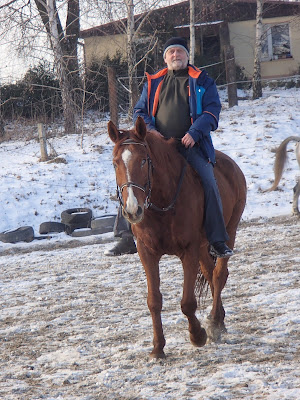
(163, 150)
(166, 159)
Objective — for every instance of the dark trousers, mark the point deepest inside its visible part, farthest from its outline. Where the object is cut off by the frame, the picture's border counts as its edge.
(121, 226)
(213, 217)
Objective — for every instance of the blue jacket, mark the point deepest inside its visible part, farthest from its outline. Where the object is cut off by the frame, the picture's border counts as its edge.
(205, 106)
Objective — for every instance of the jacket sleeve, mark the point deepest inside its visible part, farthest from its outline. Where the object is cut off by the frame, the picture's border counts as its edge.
(141, 108)
(209, 119)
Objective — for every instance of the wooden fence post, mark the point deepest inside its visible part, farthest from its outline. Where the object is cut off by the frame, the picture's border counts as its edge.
(231, 76)
(43, 143)
(227, 53)
(113, 96)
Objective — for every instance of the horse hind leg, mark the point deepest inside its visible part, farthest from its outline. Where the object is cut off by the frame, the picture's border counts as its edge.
(296, 191)
(216, 325)
(215, 272)
(215, 321)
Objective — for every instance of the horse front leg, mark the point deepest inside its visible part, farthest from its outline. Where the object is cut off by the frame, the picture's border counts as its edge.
(198, 334)
(154, 299)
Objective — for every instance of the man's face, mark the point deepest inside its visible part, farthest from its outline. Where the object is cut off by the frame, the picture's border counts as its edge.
(176, 58)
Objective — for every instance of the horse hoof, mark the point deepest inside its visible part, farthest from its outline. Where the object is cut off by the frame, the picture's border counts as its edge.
(157, 354)
(199, 340)
(214, 332)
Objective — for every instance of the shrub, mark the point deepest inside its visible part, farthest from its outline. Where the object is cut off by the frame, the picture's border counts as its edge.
(35, 96)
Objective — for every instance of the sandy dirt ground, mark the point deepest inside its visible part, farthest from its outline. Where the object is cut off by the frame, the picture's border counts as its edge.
(75, 325)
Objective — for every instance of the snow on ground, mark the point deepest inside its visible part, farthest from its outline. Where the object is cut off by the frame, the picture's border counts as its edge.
(33, 192)
(75, 324)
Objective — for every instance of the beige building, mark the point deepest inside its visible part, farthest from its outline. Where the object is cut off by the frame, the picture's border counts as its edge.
(281, 46)
(98, 47)
(281, 42)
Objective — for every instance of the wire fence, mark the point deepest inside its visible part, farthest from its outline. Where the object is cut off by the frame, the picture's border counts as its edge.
(42, 101)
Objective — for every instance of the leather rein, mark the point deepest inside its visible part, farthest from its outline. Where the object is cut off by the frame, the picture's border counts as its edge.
(148, 203)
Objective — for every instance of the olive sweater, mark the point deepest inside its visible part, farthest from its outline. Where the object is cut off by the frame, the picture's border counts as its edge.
(173, 112)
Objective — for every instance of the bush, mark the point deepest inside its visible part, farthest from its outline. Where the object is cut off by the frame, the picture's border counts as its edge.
(36, 96)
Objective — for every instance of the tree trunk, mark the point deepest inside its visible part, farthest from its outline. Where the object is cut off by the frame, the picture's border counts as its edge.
(192, 31)
(70, 46)
(256, 79)
(131, 58)
(64, 47)
(66, 92)
(231, 76)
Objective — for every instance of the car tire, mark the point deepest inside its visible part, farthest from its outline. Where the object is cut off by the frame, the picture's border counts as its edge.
(22, 234)
(50, 227)
(104, 223)
(76, 218)
(86, 232)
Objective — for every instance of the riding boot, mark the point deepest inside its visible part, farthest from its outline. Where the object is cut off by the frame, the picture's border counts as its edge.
(124, 246)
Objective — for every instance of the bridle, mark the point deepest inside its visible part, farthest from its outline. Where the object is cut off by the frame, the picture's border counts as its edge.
(133, 184)
(147, 203)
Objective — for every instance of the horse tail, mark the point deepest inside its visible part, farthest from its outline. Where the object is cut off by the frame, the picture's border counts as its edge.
(201, 288)
(280, 160)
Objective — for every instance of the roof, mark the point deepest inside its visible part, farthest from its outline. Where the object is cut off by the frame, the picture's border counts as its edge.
(243, 10)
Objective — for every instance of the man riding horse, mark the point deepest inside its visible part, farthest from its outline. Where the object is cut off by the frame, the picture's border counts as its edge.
(182, 102)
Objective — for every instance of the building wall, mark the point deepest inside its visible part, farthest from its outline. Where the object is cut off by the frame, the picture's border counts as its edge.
(98, 47)
(242, 38)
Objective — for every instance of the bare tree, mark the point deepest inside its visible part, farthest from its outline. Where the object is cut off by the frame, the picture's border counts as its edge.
(256, 79)
(64, 47)
(137, 13)
(131, 56)
(133, 29)
(65, 86)
(192, 31)
(22, 23)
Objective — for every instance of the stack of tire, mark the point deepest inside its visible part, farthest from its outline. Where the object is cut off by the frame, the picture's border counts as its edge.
(76, 222)
(80, 222)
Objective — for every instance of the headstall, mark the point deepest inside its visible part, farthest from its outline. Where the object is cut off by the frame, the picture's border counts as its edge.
(147, 202)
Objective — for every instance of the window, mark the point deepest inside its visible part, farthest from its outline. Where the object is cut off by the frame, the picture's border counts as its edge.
(276, 42)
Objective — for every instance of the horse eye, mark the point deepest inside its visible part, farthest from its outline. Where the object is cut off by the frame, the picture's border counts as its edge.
(143, 163)
(115, 165)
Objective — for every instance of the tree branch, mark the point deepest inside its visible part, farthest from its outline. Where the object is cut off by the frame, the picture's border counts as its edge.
(8, 4)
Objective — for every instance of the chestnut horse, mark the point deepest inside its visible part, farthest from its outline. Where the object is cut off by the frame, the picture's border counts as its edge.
(163, 199)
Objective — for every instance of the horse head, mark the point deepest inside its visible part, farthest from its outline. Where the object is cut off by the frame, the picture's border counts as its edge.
(132, 168)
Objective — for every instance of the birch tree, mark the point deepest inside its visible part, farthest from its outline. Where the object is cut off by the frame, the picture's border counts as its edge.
(64, 47)
(192, 31)
(137, 13)
(66, 90)
(256, 79)
(22, 23)
(131, 56)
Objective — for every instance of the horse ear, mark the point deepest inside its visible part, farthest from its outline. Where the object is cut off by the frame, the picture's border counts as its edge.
(113, 132)
(140, 128)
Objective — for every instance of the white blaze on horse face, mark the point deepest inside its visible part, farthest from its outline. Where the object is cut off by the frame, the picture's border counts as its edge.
(131, 203)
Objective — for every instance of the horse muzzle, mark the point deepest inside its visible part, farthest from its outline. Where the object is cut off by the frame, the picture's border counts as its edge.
(133, 217)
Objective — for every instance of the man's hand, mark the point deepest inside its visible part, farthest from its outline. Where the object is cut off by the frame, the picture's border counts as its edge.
(187, 140)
